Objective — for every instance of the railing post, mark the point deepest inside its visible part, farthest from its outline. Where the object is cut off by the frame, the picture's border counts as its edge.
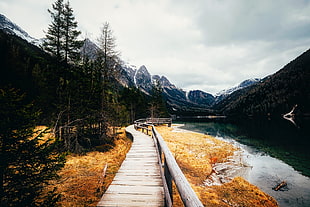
(168, 180)
(159, 151)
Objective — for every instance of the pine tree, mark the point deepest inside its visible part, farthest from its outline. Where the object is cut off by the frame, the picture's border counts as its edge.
(27, 161)
(54, 41)
(62, 35)
(71, 44)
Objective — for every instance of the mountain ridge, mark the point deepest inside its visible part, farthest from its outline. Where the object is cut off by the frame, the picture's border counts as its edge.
(236, 100)
(276, 94)
(89, 50)
(9, 27)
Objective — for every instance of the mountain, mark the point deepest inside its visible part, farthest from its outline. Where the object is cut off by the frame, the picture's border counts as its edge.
(220, 96)
(89, 50)
(275, 94)
(176, 98)
(28, 68)
(201, 98)
(9, 27)
(143, 80)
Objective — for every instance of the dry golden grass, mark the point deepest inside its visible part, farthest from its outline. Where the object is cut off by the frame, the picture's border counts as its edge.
(81, 181)
(195, 153)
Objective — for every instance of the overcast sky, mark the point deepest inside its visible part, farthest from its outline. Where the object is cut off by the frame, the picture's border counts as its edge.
(208, 45)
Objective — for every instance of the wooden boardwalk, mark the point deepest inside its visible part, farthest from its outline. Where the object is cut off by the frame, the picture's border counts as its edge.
(138, 181)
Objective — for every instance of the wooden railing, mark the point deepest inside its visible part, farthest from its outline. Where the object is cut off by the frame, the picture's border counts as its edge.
(157, 121)
(170, 171)
(146, 124)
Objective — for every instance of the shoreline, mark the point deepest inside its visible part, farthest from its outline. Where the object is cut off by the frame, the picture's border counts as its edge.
(225, 171)
(220, 176)
(266, 171)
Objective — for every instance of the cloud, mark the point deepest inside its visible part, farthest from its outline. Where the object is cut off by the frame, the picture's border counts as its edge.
(224, 22)
(202, 44)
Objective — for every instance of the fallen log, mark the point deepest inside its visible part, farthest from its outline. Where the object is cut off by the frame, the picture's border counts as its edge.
(280, 185)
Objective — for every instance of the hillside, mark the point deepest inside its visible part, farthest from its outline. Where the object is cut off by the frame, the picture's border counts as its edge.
(28, 68)
(274, 95)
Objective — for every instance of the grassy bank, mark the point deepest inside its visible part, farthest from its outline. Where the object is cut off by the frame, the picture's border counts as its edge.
(85, 177)
(196, 154)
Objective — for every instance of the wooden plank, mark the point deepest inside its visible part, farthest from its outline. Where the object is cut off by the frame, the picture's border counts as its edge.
(142, 172)
(132, 198)
(131, 202)
(139, 161)
(138, 182)
(149, 190)
(125, 200)
(137, 177)
(149, 165)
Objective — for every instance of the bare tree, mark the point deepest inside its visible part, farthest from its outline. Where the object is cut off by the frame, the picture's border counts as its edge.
(108, 60)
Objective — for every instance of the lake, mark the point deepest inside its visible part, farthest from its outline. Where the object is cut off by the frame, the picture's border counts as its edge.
(274, 150)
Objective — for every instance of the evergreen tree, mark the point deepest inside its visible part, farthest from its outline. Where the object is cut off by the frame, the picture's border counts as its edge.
(53, 42)
(136, 103)
(157, 104)
(61, 38)
(27, 161)
(71, 44)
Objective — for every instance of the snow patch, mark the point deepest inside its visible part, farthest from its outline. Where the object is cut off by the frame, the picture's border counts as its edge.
(135, 79)
(187, 95)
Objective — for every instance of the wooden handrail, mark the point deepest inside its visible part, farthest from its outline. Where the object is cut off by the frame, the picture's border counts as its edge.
(171, 171)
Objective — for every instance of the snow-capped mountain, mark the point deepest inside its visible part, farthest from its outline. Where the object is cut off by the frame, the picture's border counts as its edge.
(11, 28)
(226, 92)
(176, 98)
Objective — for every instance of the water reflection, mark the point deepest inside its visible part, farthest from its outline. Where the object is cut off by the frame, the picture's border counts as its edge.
(280, 139)
(276, 150)
(277, 138)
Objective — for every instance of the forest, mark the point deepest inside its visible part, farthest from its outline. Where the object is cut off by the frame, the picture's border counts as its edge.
(78, 98)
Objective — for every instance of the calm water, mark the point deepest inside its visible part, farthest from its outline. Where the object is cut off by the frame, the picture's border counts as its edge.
(276, 150)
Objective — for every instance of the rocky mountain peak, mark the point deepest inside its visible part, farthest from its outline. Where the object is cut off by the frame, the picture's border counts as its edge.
(165, 82)
(143, 79)
(89, 50)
